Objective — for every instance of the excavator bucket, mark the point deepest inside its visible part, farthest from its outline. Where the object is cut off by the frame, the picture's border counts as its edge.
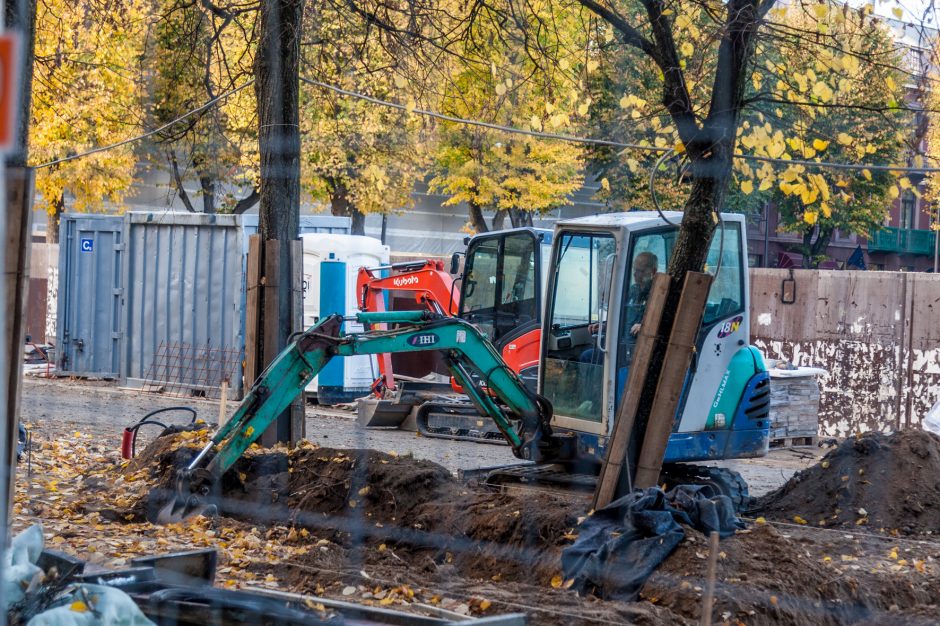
(188, 498)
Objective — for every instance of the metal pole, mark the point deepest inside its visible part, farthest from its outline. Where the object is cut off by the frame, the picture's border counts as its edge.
(766, 233)
(936, 240)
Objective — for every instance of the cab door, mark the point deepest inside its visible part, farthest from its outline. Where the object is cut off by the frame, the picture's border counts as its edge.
(574, 373)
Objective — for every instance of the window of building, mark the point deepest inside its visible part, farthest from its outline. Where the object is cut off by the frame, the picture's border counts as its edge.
(908, 210)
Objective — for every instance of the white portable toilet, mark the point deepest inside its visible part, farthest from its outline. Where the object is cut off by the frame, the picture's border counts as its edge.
(331, 264)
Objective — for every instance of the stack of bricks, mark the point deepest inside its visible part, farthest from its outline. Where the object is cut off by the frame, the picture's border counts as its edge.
(794, 407)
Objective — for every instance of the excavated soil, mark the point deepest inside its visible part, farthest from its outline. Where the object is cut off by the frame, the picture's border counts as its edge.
(886, 483)
(414, 506)
(408, 522)
(769, 576)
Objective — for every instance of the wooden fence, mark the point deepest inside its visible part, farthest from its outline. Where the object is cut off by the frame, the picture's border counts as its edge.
(877, 333)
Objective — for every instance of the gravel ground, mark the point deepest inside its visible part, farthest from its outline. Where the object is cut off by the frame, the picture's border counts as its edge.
(56, 407)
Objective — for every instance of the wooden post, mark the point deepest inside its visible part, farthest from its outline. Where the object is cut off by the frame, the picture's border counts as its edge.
(262, 339)
(709, 596)
(253, 356)
(675, 367)
(298, 421)
(270, 342)
(616, 454)
(223, 399)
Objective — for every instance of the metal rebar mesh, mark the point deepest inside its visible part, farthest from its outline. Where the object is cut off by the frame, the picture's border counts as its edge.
(184, 370)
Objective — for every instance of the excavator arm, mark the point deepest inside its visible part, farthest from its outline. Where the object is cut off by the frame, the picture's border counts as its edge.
(467, 351)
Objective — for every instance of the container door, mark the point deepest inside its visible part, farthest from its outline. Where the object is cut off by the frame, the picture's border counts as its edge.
(91, 296)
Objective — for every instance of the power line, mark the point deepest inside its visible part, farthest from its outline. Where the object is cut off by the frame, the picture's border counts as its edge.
(501, 128)
(615, 144)
(469, 122)
(207, 105)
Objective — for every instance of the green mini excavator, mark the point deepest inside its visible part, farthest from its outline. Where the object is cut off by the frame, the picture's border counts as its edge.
(587, 344)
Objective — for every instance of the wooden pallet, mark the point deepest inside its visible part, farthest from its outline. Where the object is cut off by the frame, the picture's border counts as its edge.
(803, 441)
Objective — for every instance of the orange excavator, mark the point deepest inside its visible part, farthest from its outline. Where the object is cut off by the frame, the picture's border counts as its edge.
(433, 288)
(500, 291)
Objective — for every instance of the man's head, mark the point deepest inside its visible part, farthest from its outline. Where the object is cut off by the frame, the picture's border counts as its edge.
(644, 267)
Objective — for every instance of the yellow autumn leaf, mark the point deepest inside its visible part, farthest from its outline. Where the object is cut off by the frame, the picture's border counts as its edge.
(822, 91)
(810, 217)
(844, 138)
(765, 184)
(866, 174)
(557, 581)
(747, 187)
(820, 145)
(400, 81)
(79, 607)
(893, 192)
(898, 12)
(821, 11)
(687, 49)
(500, 89)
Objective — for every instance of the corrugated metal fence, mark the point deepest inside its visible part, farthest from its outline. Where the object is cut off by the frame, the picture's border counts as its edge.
(877, 333)
(169, 288)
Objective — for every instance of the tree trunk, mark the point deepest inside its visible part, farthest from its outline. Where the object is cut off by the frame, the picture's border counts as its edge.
(53, 219)
(520, 218)
(814, 249)
(243, 205)
(477, 221)
(499, 219)
(178, 181)
(806, 246)
(340, 206)
(208, 193)
(276, 91)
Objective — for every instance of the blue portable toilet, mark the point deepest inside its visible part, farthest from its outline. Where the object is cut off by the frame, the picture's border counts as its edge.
(331, 264)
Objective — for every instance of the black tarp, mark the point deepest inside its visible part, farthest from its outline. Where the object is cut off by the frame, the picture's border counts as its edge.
(620, 545)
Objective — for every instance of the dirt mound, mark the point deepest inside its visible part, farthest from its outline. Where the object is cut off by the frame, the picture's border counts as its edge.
(762, 577)
(502, 535)
(376, 486)
(415, 506)
(889, 483)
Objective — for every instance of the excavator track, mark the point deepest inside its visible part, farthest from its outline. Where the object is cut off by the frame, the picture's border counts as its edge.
(725, 481)
(456, 420)
(553, 477)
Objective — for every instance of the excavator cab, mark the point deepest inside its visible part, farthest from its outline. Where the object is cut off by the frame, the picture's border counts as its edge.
(602, 269)
(501, 293)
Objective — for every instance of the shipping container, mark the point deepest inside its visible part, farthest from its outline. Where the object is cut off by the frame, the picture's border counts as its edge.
(177, 287)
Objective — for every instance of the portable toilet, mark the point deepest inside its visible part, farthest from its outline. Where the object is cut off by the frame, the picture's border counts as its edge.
(331, 263)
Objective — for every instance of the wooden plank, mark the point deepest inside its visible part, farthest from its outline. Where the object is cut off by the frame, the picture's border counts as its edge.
(614, 458)
(298, 422)
(252, 311)
(675, 366)
(269, 323)
(16, 270)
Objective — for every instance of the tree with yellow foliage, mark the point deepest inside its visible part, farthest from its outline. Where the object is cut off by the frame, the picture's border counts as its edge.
(194, 55)
(510, 78)
(358, 157)
(86, 93)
